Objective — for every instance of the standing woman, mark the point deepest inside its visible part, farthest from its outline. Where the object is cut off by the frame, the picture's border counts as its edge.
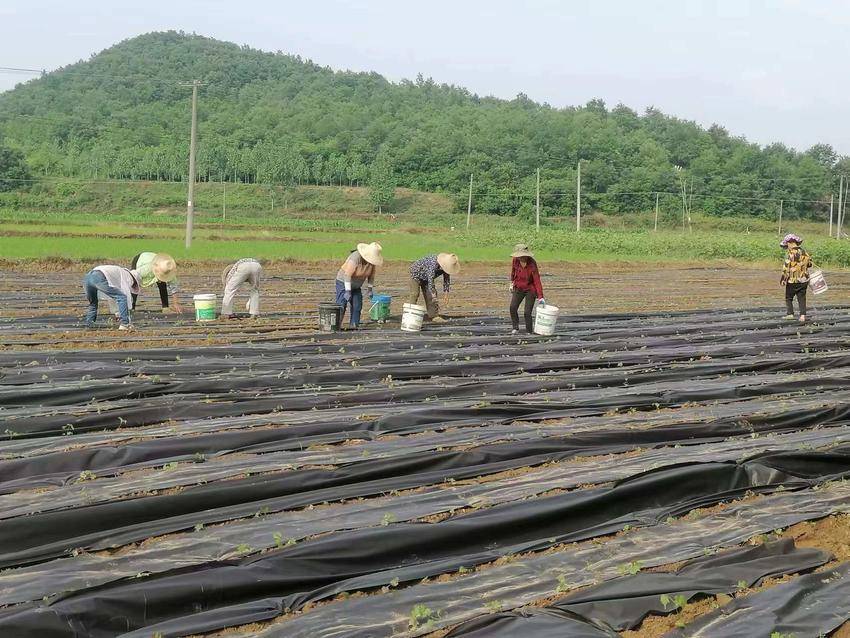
(525, 285)
(795, 275)
(159, 269)
(358, 269)
(422, 275)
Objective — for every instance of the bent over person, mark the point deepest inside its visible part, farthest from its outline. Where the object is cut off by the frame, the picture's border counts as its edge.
(422, 275)
(159, 269)
(525, 285)
(358, 269)
(117, 284)
(245, 271)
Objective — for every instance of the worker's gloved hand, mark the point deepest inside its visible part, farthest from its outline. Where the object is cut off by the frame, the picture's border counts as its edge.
(370, 292)
(347, 296)
(511, 288)
(541, 301)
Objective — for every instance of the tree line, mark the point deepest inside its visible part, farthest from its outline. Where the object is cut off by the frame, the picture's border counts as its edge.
(278, 119)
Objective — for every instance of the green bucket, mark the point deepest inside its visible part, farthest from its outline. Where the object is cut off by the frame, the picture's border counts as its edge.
(380, 310)
(204, 307)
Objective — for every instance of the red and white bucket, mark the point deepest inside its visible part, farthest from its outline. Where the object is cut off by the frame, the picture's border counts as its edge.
(817, 282)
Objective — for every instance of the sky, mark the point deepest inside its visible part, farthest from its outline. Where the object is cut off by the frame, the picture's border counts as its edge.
(770, 71)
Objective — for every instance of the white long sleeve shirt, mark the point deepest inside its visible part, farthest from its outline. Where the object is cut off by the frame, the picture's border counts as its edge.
(124, 280)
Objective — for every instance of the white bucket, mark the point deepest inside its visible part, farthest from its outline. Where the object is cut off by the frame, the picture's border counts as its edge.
(204, 307)
(412, 317)
(817, 282)
(544, 323)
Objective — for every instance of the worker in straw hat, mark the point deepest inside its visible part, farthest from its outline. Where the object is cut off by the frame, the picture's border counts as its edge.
(245, 271)
(358, 269)
(159, 269)
(525, 285)
(424, 272)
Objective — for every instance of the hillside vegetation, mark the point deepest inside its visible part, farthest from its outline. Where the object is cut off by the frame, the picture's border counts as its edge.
(272, 118)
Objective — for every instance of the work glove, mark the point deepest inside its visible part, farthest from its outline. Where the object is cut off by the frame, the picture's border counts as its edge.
(511, 288)
(541, 301)
(370, 292)
(346, 297)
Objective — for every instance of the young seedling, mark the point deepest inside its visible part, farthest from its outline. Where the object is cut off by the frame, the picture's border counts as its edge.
(387, 519)
(420, 616)
(676, 603)
(494, 606)
(630, 568)
(87, 475)
(243, 548)
(563, 585)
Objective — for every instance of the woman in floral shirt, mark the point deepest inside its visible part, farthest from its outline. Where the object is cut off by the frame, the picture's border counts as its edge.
(795, 275)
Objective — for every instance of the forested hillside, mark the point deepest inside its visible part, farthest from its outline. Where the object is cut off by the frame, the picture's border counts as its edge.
(277, 119)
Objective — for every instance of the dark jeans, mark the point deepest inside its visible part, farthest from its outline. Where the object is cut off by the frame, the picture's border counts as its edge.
(356, 303)
(516, 299)
(96, 281)
(163, 287)
(799, 291)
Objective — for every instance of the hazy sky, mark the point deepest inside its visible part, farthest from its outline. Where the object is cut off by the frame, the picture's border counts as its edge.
(770, 71)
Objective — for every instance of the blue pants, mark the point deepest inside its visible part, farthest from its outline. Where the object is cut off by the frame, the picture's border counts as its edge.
(96, 281)
(356, 302)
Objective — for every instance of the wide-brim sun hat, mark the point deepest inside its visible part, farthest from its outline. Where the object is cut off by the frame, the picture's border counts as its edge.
(789, 238)
(164, 267)
(371, 253)
(521, 250)
(449, 263)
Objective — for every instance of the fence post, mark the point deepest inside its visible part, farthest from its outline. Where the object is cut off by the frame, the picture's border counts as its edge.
(538, 200)
(469, 205)
(578, 197)
(656, 212)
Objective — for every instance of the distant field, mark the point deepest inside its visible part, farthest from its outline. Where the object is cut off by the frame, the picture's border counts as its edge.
(111, 220)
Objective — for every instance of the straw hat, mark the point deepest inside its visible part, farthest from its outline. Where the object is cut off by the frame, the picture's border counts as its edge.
(449, 263)
(164, 268)
(521, 250)
(371, 253)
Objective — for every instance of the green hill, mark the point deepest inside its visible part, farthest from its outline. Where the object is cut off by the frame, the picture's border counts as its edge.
(271, 118)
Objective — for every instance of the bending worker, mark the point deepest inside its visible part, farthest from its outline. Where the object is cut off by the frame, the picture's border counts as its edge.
(358, 269)
(159, 269)
(244, 271)
(118, 285)
(422, 276)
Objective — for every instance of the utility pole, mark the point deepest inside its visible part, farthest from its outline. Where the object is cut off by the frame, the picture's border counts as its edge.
(831, 202)
(190, 203)
(780, 217)
(840, 200)
(538, 200)
(469, 205)
(578, 197)
(224, 201)
(656, 212)
(842, 209)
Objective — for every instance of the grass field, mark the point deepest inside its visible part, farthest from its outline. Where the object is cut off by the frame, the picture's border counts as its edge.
(111, 220)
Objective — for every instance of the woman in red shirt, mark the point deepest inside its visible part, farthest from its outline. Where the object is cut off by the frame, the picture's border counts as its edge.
(525, 284)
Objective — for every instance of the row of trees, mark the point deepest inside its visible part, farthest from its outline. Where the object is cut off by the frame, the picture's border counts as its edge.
(273, 118)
